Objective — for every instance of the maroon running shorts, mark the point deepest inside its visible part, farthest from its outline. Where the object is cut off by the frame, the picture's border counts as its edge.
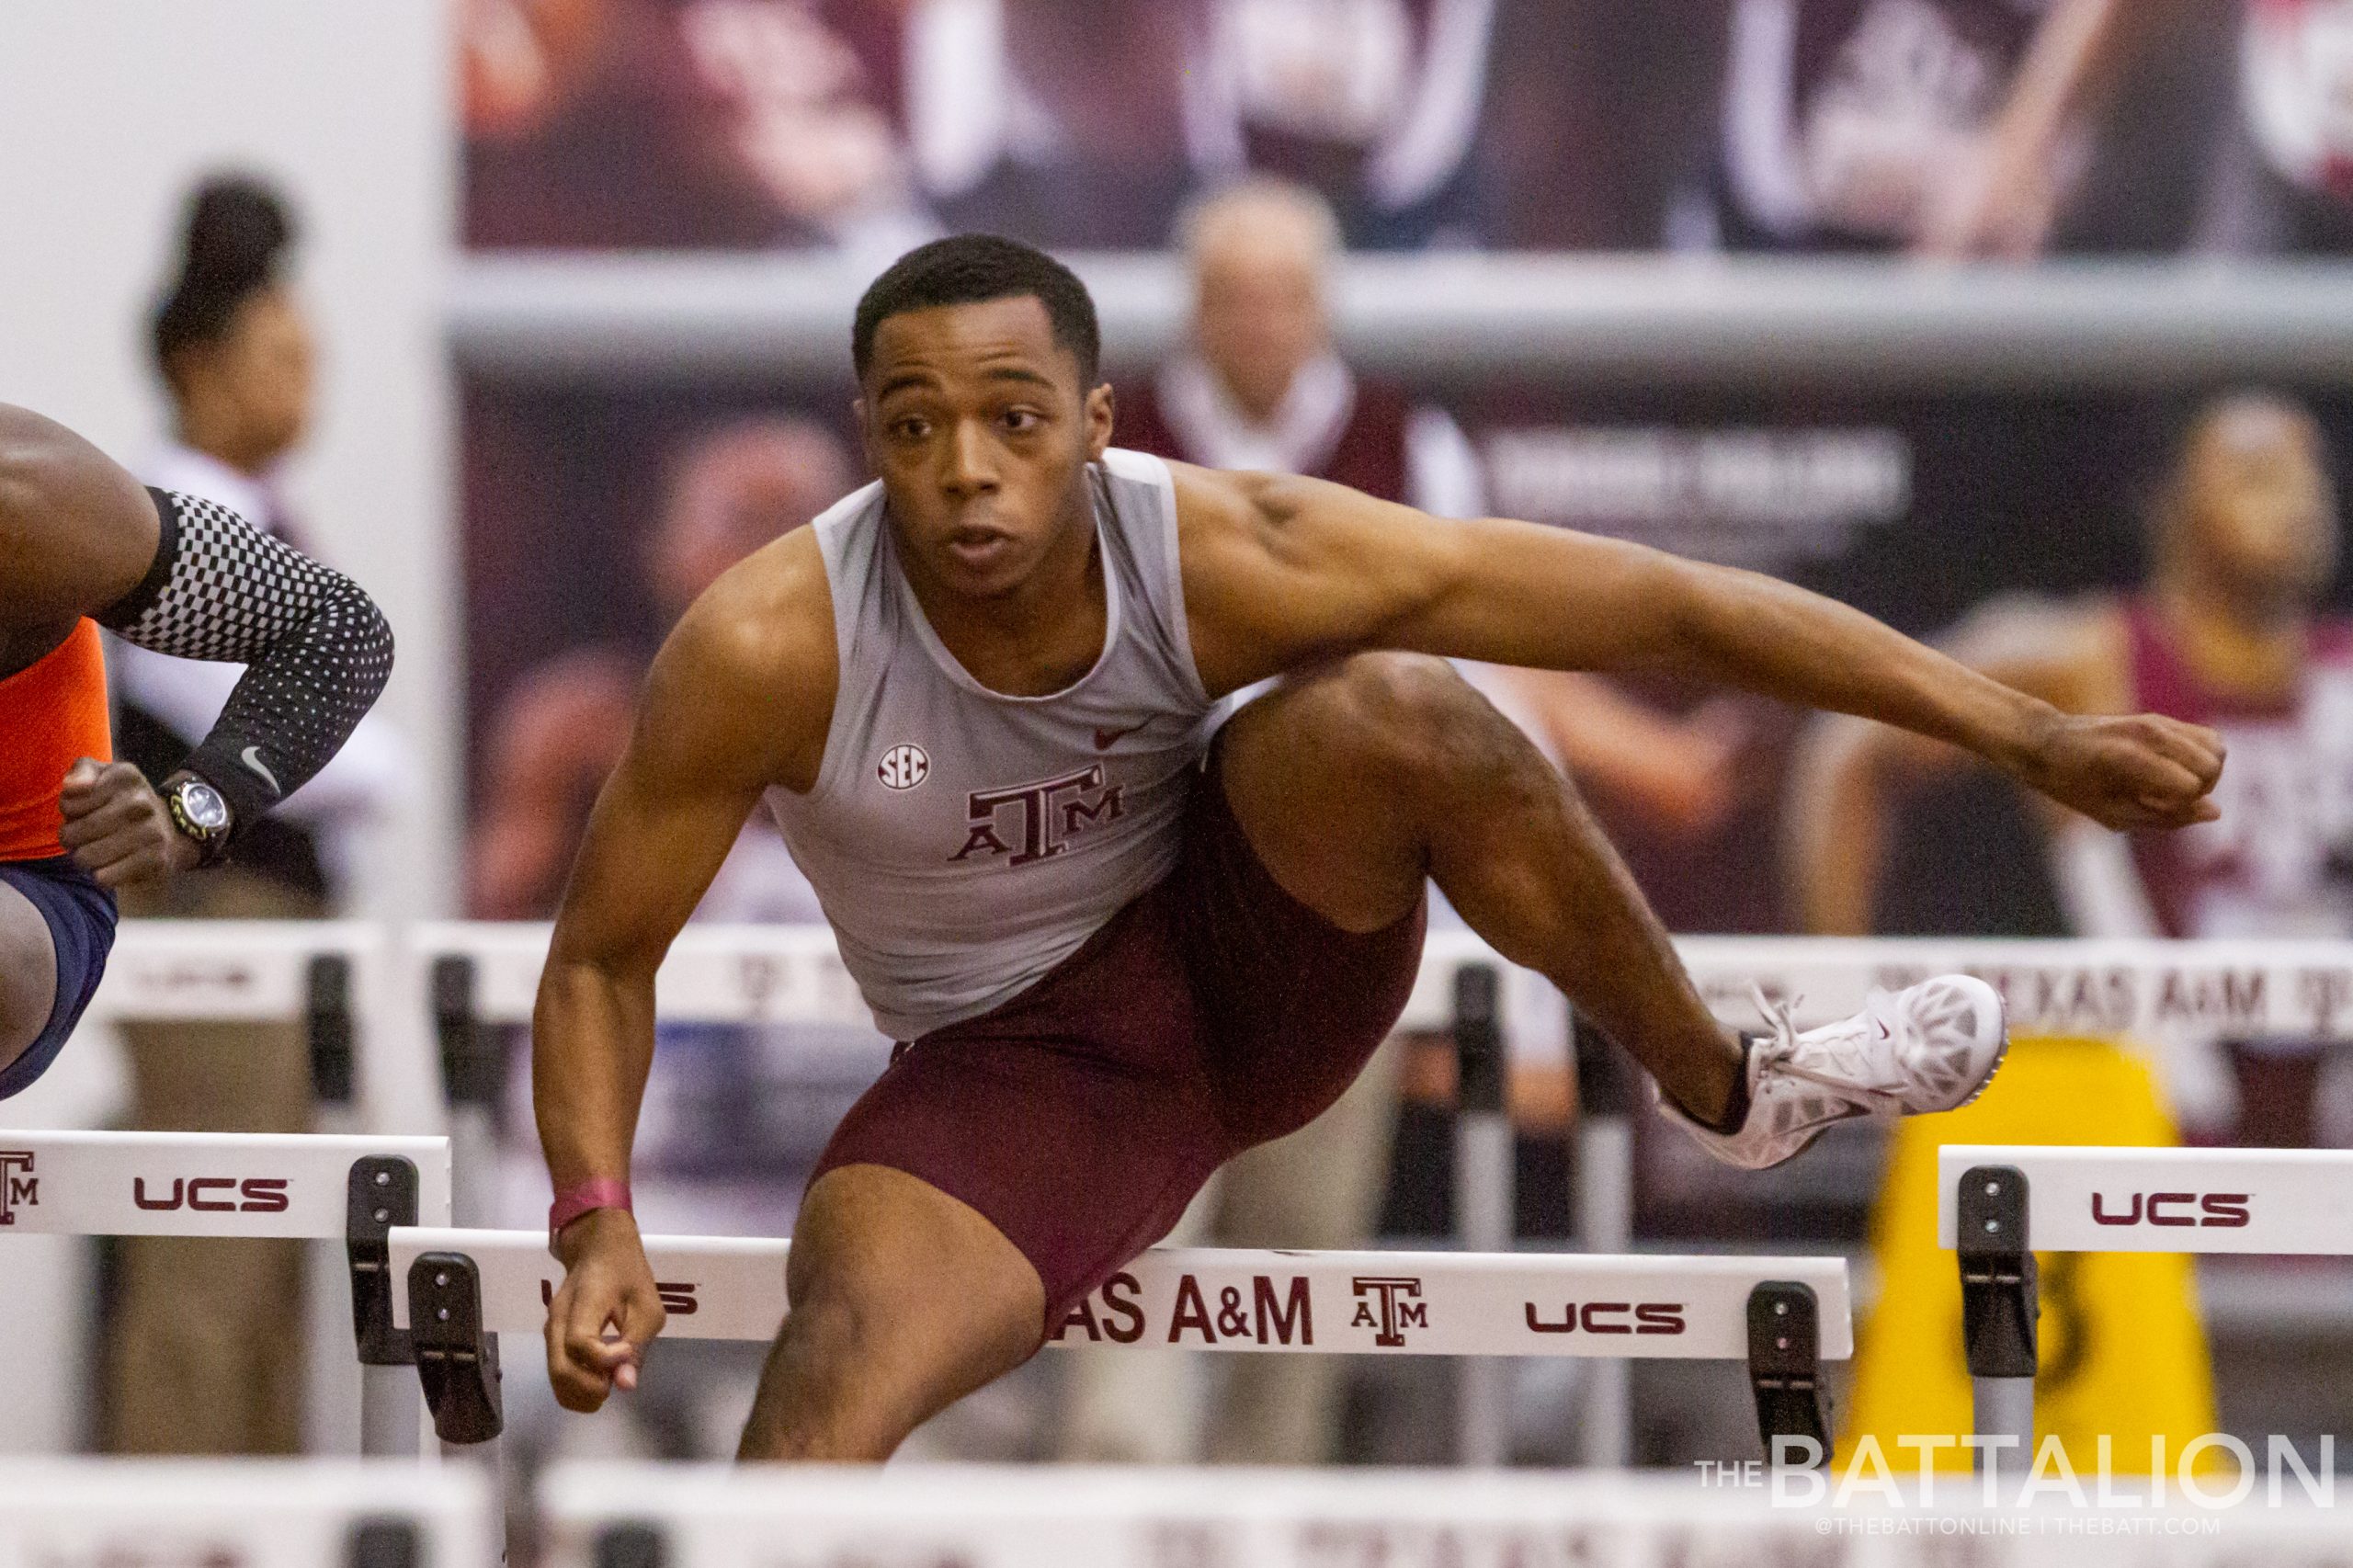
(1212, 1013)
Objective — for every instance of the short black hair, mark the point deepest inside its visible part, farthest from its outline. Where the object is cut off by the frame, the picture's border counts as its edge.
(238, 230)
(969, 269)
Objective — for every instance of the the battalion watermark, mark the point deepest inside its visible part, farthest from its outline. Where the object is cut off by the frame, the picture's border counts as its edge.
(2049, 1493)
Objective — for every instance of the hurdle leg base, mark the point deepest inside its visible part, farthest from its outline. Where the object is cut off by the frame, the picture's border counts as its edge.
(390, 1415)
(2005, 1408)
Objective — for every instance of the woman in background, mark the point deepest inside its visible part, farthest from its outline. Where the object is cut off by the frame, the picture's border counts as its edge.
(203, 1337)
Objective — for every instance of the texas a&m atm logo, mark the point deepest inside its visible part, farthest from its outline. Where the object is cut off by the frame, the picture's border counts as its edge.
(2217, 1210)
(1036, 822)
(1388, 1306)
(18, 1186)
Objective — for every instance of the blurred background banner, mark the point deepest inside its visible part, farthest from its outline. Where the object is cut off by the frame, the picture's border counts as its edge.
(2010, 128)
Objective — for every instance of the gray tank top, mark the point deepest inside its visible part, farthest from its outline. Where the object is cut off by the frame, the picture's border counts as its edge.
(964, 842)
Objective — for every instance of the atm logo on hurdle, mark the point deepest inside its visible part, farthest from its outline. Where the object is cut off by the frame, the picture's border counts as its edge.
(2220, 1211)
(18, 1183)
(1399, 1304)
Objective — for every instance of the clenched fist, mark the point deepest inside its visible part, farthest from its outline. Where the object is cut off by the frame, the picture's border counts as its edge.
(117, 828)
(605, 1314)
(2131, 773)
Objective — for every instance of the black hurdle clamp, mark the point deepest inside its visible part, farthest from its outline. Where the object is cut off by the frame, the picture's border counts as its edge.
(1605, 1084)
(380, 1193)
(629, 1545)
(383, 1543)
(472, 1070)
(2000, 1303)
(1785, 1365)
(1478, 1040)
(456, 1360)
(328, 1026)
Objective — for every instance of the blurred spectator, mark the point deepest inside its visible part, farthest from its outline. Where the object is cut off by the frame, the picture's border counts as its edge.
(2227, 633)
(2286, 183)
(200, 1356)
(1966, 128)
(1260, 385)
(654, 123)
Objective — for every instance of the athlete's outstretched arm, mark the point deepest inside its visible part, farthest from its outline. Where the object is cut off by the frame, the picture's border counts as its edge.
(738, 699)
(1280, 572)
(80, 537)
(1849, 775)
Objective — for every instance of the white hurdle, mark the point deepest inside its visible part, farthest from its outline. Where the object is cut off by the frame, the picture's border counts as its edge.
(1998, 1205)
(326, 1186)
(244, 1514)
(916, 1516)
(1782, 1316)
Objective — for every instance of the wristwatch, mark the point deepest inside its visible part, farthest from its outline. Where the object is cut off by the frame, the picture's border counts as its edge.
(200, 813)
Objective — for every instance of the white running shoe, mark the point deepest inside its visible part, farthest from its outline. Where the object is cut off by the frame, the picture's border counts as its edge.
(1932, 1046)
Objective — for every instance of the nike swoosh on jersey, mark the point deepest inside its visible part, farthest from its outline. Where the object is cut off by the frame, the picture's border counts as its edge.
(251, 757)
(1104, 739)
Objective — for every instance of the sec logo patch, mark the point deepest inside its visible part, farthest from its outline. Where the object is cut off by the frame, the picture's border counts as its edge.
(903, 767)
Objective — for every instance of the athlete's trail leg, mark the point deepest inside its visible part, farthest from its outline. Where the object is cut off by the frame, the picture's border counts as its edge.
(28, 974)
(1354, 781)
(903, 1301)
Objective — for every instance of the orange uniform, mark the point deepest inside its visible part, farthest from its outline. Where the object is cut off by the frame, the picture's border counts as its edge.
(52, 712)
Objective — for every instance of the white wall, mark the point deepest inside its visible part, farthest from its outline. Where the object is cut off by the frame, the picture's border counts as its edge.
(109, 110)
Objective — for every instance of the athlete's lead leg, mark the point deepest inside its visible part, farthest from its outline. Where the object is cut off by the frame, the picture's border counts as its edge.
(1356, 781)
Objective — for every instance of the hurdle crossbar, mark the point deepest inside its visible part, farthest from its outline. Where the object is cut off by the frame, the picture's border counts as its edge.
(617, 1516)
(1415, 1304)
(251, 1513)
(316, 1186)
(1781, 1315)
(2188, 1200)
(317, 971)
(1998, 1205)
(2141, 988)
(200, 1184)
(226, 969)
(766, 974)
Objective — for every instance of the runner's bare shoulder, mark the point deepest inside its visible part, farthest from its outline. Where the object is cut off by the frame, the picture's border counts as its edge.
(751, 669)
(76, 531)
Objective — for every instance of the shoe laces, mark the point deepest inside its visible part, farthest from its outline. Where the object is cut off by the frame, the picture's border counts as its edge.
(1778, 1051)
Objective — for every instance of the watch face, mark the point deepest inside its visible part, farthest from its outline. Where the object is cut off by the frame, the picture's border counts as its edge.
(203, 806)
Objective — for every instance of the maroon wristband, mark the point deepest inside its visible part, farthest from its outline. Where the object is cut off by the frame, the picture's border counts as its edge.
(584, 1197)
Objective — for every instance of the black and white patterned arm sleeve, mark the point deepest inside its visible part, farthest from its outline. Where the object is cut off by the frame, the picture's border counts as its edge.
(317, 650)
